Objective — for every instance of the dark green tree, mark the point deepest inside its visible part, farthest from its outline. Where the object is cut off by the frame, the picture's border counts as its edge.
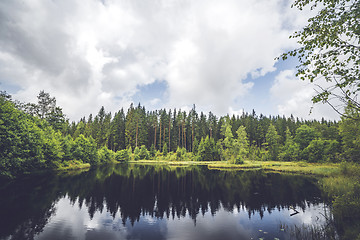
(290, 151)
(304, 135)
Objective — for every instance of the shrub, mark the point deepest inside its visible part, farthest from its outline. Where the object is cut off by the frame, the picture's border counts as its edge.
(122, 155)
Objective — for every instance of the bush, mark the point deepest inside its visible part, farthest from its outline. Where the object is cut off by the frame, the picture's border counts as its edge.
(239, 160)
(84, 149)
(137, 153)
(144, 153)
(105, 155)
(122, 155)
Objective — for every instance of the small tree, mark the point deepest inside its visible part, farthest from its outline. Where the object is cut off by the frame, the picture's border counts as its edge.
(137, 153)
(241, 145)
(152, 151)
(144, 153)
(272, 140)
(207, 150)
(195, 146)
(122, 155)
(165, 150)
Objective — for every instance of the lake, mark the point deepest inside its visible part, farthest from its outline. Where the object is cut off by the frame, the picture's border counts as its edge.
(160, 202)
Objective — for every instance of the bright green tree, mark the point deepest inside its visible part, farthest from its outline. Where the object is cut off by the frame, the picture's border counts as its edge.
(84, 149)
(122, 155)
(207, 150)
(105, 155)
(144, 153)
(165, 149)
(272, 142)
(241, 145)
(152, 151)
(137, 153)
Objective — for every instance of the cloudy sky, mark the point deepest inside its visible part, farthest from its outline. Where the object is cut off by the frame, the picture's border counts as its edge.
(218, 55)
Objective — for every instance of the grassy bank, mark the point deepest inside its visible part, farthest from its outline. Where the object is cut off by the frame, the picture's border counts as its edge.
(73, 165)
(320, 169)
(344, 189)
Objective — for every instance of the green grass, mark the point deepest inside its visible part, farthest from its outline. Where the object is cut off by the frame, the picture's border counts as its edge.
(72, 165)
(320, 169)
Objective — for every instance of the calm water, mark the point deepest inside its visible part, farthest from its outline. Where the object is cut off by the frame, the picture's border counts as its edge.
(146, 202)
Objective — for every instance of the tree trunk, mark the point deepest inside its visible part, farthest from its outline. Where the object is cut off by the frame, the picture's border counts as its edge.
(179, 140)
(192, 137)
(155, 136)
(160, 138)
(136, 139)
(169, 135)
(182, 133)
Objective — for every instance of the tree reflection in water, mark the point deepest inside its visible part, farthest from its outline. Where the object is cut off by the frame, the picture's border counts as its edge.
(133, 191)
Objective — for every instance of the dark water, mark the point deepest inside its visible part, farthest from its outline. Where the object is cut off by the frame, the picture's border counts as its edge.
(146, 202)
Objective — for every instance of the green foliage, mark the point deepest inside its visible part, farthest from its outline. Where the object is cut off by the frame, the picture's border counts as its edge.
(144, 153)
(290, 151)
(52, 148)
(207, 150)
(21, 141)
(29, 142)
(67, 145)
(122, 155)
(137, 153)
(179, 153)
(85, 149)
(350, 133)
(105, 155)
(304, 135)
(272, 142)
(152, 151)
(241, 145)
(320, 150)
(165, 149)
(254, 152)
(195, 146)
(330, 50)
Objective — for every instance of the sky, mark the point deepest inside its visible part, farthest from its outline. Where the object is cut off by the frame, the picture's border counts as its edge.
(218, 55)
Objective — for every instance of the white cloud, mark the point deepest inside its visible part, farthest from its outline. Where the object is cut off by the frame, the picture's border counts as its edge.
(293, 96)
(94, 53)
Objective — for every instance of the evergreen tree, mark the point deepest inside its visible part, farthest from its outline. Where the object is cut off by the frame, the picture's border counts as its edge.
(165, 150)
(152, 151)
(272, 142)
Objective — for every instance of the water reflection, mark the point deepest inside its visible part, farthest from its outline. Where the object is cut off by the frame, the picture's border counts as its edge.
(146, 202)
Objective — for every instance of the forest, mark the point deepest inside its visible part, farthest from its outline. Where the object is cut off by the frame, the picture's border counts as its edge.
(37, 136)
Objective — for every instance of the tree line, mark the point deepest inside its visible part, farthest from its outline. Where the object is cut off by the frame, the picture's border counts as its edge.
(36, 136)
